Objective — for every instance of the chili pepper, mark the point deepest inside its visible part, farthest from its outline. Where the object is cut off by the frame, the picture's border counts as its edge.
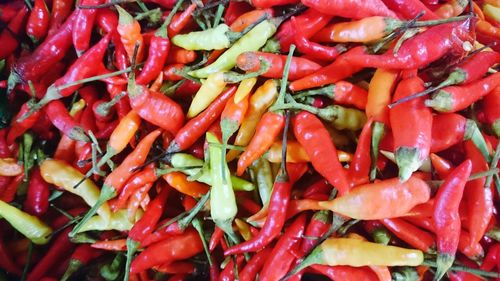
(37, 198)
(181, 183)
(186, 162)
(479, 199)
(410, 234)
(216, 38)
(446, 216)
(316, 228)
(82, 255)
(232, 116)
(6, 261)
(65, 176)
(410, 9)
(251, 41)
(340, 69)
(455, 98)
(58, 249)
(263, 97)
(235, 10)
(182, 21)
(197, 126)
(9, 10)
(116, 180)
(451, 9)
(179, 55)
(360, 202)
(17, 128)
(350, 9)
(314, 50)
(311, 134)
(491, 115)
(130, 34)
(82, 29)
(295, 153)
(82, 68)
(9, 193)
(8, 35)
(406, 57)
(278, 204)
(30, 226)
(38, 21)
(9, 167)
(341, 272)
(176, 248)
(138, 180)
(59, 116)
(254, 265)
(107, 20)
(158, 52)
(442, 167)
(380, 90)
(491, 259)
(474, 252)
(280, 259)
(215, 238)
(228, 273)
(299, 67)
(359, 168)
(61, 9)
(268, 128)
(155, 107)
(51, 51)
(412, 145)
(119, 221)
(162, 234)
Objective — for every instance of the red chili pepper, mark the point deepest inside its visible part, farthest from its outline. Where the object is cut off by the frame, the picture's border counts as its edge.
(411, 125)
(158, 53)
(410, 9)
(278, 204)
(299, 67)
(178, 23)
(463, 275)
(162, 234)
(313, 49)
(130, 34)
(442, 166)
(176, 248)
(316, 228)
(313, 136)
(234, 10)
(56, 252)
(479, 199)
(9, 10)
(138, 180)
(228, 273)
(456, 98)
(60, 11)
(492, 259)
(410, 234)
(37, 198)
(8, 37)
(268, 128)
(346, 272)
(197, 126)
(346, 93)
(83, 25)
(59, 116)
(359, 168)
(447, 130)
(491, 103)
(82, 255)
(215, 238)
(446, 217)
(254, 265)
(340, 69)
(350, 9)
(17, 128)
(281, 259)
(107, 20)
(38, 21)
(9, 193)
(309, 21)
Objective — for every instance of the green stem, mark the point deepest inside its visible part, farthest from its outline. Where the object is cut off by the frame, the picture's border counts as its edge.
(184, 222)
(284, 145)
(473, 133)
(28, 4)
(131, 249)
(440, 21)
(494, 163)
(142, 6)
(235, 36)
(234, 77)
(198, 226)
(148, 13)
(378, 131)
(478, 272)
(218, 14)
(327, 91)
(28, 262)
(284, 80)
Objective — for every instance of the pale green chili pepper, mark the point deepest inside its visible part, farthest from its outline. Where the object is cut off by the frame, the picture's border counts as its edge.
(262, 175)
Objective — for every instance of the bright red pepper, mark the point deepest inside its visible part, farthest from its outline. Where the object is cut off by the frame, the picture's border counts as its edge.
(38, 21)
(350, 8)
(37, 197)
(9, 34)
(410, 234)
(82, 255)
(410, 9)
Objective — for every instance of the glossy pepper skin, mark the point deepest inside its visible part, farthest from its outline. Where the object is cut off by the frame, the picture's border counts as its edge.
(38, 21)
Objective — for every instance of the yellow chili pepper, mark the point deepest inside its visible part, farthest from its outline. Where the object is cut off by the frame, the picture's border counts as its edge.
(295, 153)
(65, 176)
(244, 89)
(9, 167)
(243, 228)
(118, 221)
(491, 12)
(260, 101)
(381, 271)
(28, 225)
(208, 92)
(380, 94)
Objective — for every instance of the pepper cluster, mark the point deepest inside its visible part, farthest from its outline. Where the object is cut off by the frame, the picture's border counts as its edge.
(257, 140)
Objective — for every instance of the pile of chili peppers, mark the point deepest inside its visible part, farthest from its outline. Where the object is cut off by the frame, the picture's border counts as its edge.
(256, 140)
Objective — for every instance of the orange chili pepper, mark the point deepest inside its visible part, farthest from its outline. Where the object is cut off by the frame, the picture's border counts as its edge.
(180, 182)
(9, 167)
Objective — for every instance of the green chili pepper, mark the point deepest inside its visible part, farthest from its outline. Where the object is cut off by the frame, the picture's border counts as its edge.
(223, 206)
(262, 175)
(211, 39)
(118, 221)
(182, 160)
(30, 226)
(252, 41)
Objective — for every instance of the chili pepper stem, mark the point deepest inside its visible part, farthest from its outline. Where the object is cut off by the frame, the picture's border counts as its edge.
(441, 101)
(131, 249)
(73, 266)
(315, 257)
(199, 228)
(478, 272)
(493, 163)
(378, 131)
(443, 262)
(328, 91)
(473, 133)
(107, 193)
(407, 161)
(103, 108)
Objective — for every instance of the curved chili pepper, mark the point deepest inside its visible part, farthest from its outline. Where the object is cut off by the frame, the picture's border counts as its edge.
(60, 11)
(341, 272)
(442, 167)
(446, 217)
(350, 9)
(232, 116)
(178, 23)
(196, 127)
(176, 248)
(130, 34)
(38, 21)
(412, 142)
(83, 24)
(410, 234)
(158, 53)
(359, 168)
(181, 183)
(8, 35)
(146, 176)
(311, 134)
(59, 116)
(455, 98)
(235, 10)
(37, 198)
(410, 9)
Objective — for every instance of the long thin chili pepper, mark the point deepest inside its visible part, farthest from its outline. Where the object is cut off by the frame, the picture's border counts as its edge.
(61, 9)
(350, 9)
(491, 115)
(359, 168)
(82, 26)
(59, 116)
(414, 236)
(181, 183)
(147, 176)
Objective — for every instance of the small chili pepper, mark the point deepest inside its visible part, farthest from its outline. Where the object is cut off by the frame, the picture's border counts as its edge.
(82, 255)
(341, 272)
(181, 183)
(9, 167)
(278, 204)
(442, 166)
(176, 248)
(59, 116)
(364, 201)
(351, 9)
(147, 176)
(82, 27)
(162, 233)
(410, 9)
(254, 265)
(38, 21)
(455, 98)
(311, 134)
(359, 168)
(180, 22)
(232, 116)
(410, 234)
(446, 217)
(280, 259)
(17, 128)
(116, 180)
(491, 115)
(37, 197)
(30, 226)
(58, 249)
(8, 35)
(61, 9)
(379, 94)
(338, 70)
(130, 34)
(412, 142)
(491, 259)
(197, 126)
